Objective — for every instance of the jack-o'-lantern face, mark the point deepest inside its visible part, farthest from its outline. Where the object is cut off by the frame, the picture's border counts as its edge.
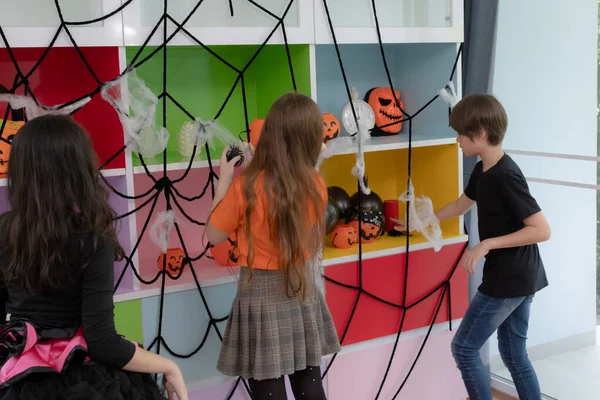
(386, 109)
(344, 236)
(255, 130)
(331, 127)
(226, 253)
(8, 134)
(371, 227)
(174, 261)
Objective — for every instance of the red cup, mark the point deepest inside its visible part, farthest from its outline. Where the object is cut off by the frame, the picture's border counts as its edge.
(390, 210)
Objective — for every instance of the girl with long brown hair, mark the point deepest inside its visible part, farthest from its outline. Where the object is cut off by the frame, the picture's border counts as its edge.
(280, 324)
(57, 248)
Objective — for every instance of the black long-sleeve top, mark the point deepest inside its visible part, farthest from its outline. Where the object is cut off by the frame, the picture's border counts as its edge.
(84, 298)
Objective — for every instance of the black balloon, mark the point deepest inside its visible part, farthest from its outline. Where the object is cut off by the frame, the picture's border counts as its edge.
(370, 201)
(341, 198)
(332, 215)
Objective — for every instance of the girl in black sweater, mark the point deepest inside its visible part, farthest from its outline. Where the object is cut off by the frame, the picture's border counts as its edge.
(57, 249)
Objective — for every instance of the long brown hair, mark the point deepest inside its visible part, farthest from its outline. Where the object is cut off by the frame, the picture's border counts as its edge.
(285, 157)
(54, 191)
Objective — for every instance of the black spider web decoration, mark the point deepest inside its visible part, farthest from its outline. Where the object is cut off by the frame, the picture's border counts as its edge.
(168, 187)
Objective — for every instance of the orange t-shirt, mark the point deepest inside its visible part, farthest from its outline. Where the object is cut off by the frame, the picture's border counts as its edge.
(230, 215)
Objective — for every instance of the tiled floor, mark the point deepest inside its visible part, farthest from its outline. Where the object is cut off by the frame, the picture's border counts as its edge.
(572, 375)
(500, 396)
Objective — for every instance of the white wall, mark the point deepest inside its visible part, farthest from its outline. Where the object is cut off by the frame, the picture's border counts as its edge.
(546, 77)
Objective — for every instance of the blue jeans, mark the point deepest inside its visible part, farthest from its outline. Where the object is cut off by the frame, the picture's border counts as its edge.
(511, 318)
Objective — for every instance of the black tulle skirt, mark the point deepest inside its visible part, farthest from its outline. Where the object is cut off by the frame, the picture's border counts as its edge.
(36, 368)
(85, 382)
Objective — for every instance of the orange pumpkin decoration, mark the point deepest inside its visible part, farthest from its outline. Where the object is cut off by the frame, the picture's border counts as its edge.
(254, 130)
(331, 127)
(386, 110)
(227, 253)
(344, 236)
(175, 257)
(371, 227)
(10, 130)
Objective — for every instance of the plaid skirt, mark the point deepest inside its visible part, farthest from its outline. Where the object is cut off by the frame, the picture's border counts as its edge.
(270, 334)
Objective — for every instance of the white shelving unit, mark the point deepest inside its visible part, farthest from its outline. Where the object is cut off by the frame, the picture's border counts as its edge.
(433, 25)
(213, 24)
(411, 21)
(32, 23)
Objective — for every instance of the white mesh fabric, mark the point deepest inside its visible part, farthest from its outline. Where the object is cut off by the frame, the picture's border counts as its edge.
(136, 105)
(32, 110)
(422, 216)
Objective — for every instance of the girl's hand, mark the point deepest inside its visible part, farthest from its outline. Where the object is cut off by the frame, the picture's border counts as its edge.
(226, 168)
(248, 150)
(175, 385)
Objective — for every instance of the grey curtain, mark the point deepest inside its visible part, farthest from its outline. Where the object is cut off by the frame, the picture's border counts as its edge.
(478, 56)
(477, 74)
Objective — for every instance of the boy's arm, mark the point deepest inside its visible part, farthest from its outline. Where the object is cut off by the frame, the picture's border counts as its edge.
(516, 194)
(536, 230)
(456, 208)
(451, 210)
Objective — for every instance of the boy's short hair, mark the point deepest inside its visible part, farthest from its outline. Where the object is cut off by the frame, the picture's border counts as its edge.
(477, 112)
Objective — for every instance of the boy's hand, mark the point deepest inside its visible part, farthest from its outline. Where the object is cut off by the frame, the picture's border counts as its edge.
(401, 227)
(472, 256)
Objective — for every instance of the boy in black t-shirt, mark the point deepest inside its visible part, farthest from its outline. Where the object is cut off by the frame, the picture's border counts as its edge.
(511, 224)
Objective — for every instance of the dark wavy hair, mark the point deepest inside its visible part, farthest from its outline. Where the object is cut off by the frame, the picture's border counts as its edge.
(54, 192)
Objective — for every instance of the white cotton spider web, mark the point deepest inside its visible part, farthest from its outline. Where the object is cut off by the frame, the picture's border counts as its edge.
(359, 167)
(448, 94)
(333, 147)
(207, 131)
(200, 132)
(422, 216)
(136, 106)
(161, 228)
(33, 110)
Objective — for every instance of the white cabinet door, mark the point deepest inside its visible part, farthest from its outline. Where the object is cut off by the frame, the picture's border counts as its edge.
(211, 22)
(400, 21)
(34, 23)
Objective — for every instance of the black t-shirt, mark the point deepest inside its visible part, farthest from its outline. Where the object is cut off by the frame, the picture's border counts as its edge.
(503, 202)
(84, 299)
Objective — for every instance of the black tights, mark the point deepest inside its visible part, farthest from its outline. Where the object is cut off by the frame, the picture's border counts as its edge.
(306, 385)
